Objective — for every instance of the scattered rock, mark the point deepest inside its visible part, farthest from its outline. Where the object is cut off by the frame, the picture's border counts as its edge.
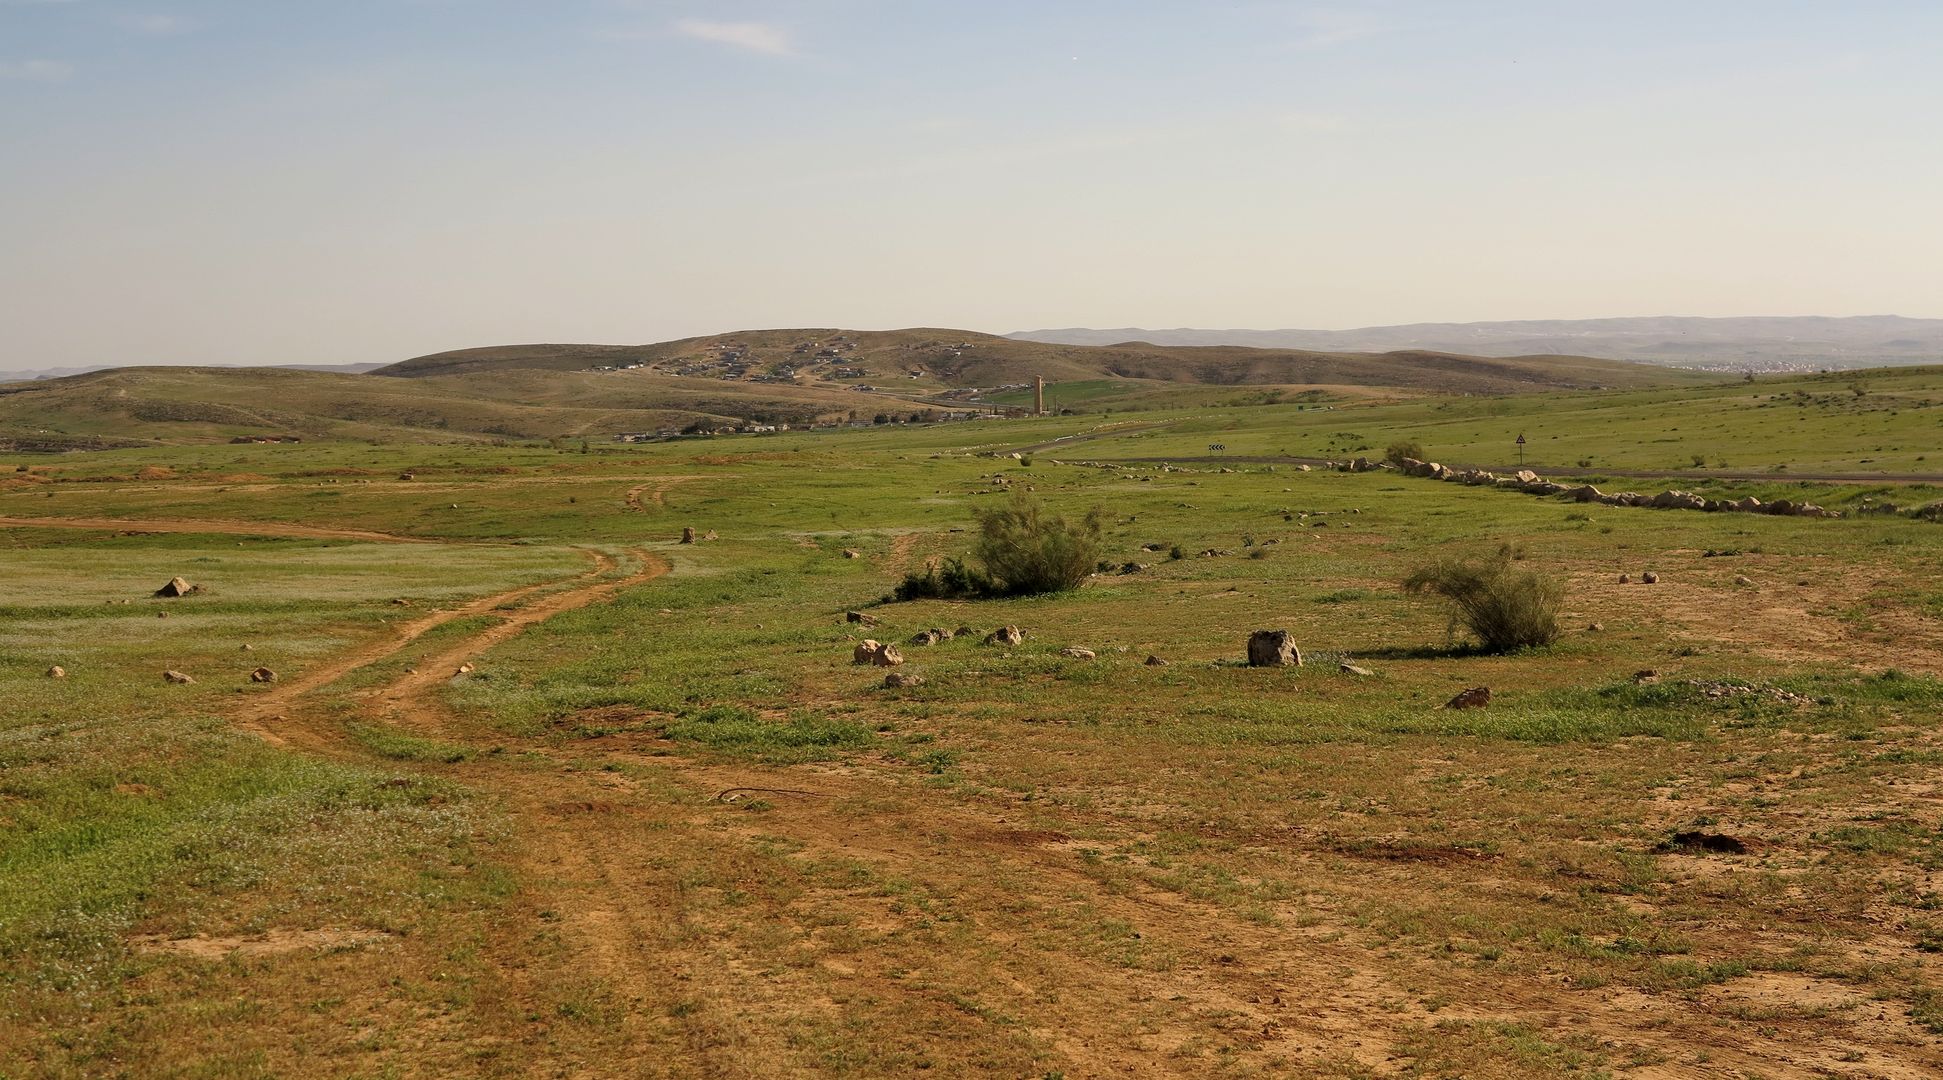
(1718, 690)
(247, 648)
(865, 649)
(1074, 652)
(1649, 578)
(57, 672)
(1477, 697)
(1155, 661)
(177, 678)
(710, 535)
(1743, 580)
(1352, 669)
(1625, 579)
(852, 553)
(1273, 648)
(687, 534)
(406, 476)
(860, 618)
(263, 675)
(929, 637)
(177, 587)
(1646, 675)
(899, 681)
(1006, 635)
(464, 669)
(400, 601)
(1593, 628)
(965, 631)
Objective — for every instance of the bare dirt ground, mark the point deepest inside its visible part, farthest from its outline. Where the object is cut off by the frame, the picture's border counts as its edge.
(950, 919)
(1318, 999)
(236, 528)
(1795, 609)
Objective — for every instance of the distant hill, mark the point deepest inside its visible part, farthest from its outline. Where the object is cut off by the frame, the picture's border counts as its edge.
(1763, 344)
(63, 372)
(769, 377)
(934, 359)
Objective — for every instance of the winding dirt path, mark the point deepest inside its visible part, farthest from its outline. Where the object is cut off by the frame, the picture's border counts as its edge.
(262, 716)
(654, 491)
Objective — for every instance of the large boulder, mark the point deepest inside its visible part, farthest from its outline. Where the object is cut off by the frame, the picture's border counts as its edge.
(1584, 493)
(1006, 635)
(1678, 500)
(1273, 648)
(263, 675)
(177, 587)
(899, 681)
(177, 678)
(866, 651)
(688, 534)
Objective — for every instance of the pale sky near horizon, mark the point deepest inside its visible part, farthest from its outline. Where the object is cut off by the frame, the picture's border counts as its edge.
(230, 181)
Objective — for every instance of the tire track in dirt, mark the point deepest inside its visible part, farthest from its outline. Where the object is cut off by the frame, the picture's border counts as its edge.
(265, 710)
(1303, 994)
(902, 545)
(654, 491)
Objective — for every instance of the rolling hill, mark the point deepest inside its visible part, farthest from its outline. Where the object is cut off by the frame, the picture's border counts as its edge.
(795, 377)
(957, 359)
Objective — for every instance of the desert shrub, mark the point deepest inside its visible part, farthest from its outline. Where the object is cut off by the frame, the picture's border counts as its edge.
(949, 580)
(1027, 551)
(1506, 606)
(1023, 551)
(1404, 448)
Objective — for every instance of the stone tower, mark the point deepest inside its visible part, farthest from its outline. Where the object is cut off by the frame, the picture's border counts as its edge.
(1038, 395)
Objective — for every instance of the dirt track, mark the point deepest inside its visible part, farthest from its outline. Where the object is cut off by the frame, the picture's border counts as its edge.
(182, 525)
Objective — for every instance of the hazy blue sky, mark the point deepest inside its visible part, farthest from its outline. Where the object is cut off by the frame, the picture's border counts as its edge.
(365, 180)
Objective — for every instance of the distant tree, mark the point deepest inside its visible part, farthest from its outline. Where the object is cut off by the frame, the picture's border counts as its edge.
(882, 418)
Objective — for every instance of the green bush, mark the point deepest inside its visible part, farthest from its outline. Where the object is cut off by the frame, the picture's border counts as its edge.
(1024, 551)
(1507, 606)
(1027, 551)
(950, 580)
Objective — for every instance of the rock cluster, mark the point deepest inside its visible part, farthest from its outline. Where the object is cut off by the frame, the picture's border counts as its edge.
(876, 653)
(1531, 483)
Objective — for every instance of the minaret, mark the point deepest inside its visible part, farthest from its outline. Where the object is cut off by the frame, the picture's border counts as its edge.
(1038, 395)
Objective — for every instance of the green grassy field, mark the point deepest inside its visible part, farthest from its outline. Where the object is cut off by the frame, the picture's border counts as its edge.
(561, 813)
